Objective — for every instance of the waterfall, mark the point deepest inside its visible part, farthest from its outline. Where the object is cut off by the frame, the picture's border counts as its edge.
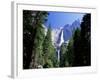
(59, 45)
(61, 39)
(58, 54)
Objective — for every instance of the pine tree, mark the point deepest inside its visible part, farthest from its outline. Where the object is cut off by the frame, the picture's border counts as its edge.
(82, 43)
(48, 50)
(37, 38)
(27, 38)
(86, 39)
(77, 48)
(70, 53)
(67, 54)
(63, 51)
(31, 21)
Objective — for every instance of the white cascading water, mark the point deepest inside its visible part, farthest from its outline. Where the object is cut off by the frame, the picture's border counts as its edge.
(58, 54)
(61, 39)
(59, 45)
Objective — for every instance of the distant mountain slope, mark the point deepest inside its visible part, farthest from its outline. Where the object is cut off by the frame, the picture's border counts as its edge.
(68, 29)
(65, 32)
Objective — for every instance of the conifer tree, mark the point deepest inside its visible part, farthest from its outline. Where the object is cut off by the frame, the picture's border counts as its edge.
(48, 50)
(82, 43)
(70, 53)
(63, 51)
(37, 38)
(77, 48)
(27, 38)
(86, 40)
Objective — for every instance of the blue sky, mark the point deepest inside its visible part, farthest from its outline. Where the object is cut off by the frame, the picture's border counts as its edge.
(59, 19)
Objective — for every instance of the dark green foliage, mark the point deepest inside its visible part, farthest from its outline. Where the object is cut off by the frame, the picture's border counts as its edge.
(86, 39)
(33, 36)
(63, 57)
(77, 48)
(37, 46)
(67, 55)
(47, 46)
(27, 38)
(82, 43)
(70, 53)
(38, 38)
(48, 51)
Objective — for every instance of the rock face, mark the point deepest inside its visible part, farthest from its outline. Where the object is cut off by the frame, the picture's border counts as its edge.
(64, 33)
